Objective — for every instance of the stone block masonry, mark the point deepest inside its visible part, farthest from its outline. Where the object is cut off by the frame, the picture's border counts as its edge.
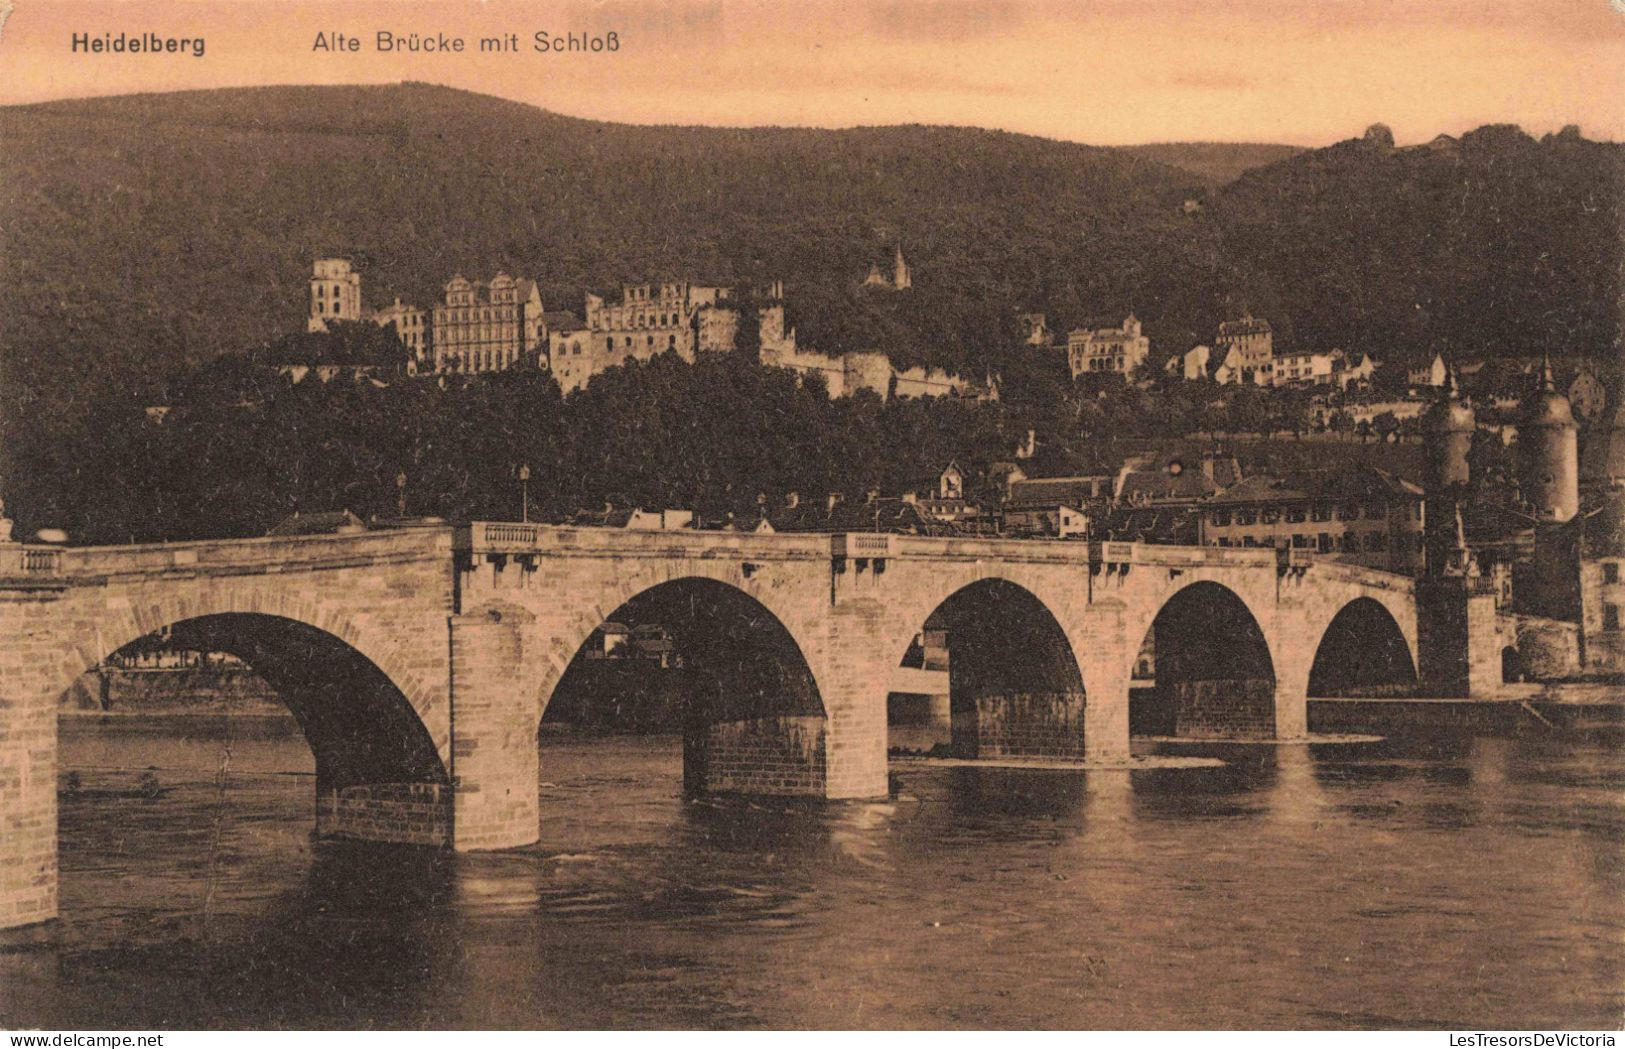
(399, 813)
(495, 764)
(759, 756)
(1022, 725)
(1224, 709)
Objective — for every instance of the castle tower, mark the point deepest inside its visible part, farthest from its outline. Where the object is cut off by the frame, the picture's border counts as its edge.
(335, 293)
(1548, 452)
(900, 278)
(1447, 433)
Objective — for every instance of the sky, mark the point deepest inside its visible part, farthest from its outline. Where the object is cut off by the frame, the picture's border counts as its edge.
(1110, 72)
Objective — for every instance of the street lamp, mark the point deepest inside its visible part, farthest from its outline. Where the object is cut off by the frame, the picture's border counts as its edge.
(400, 494)
(524, 493)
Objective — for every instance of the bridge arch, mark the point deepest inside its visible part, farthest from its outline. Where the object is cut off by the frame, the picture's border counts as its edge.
(1363, 650)
(1015, 687)
(418, 675)
(1203, 668)
(705, 652)
(380, 775)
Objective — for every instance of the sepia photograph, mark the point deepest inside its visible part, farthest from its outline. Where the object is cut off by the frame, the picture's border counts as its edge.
(900, 515)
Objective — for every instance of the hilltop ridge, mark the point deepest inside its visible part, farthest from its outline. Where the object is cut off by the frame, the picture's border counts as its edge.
(149, 230)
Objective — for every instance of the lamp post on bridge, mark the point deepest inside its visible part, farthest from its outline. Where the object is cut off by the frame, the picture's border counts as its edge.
(400, 494)
(524, 493)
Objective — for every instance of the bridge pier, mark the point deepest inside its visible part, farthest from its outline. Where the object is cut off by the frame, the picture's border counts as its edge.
(29, 663)
(495, 765)
(1457, 653)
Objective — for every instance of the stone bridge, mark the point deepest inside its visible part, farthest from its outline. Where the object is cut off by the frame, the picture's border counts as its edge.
(419, 661)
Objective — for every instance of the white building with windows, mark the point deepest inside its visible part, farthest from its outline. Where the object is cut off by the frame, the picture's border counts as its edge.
(1094, 351)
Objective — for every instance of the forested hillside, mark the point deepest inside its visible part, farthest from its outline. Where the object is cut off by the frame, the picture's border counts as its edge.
(153, 228)
(145, 230)
(144, 236)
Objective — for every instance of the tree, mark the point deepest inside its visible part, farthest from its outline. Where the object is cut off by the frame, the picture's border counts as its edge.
(1385, 425)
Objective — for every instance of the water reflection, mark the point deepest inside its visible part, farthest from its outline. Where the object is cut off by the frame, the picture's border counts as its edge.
(1416, 882)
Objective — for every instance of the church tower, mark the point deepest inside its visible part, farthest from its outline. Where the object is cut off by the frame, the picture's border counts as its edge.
(1548, 452)
(900, 277)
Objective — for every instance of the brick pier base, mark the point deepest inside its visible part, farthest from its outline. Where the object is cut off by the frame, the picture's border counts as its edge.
(1227, 709)
(759, 756)
(399, 813)
(1022, 725)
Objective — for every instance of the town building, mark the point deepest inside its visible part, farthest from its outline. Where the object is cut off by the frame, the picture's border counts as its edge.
(1192, 365)
(851, 373)
(942, 497)
(633, 517)
(1353, 369)
(1430, 376)
(1310, 368)
(1054, 507)
(1362, 515)
(875, 513)
(482, 327)
(1151, 480)
(1094, 351)
(1602, 583)
(1246, 352)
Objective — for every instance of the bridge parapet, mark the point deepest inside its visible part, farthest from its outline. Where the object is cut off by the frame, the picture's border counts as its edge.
(273, 553)
(36, 560)
(1360, 575)
(499, 537)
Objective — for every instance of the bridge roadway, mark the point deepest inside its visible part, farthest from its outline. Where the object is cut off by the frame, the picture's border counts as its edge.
(420, 660)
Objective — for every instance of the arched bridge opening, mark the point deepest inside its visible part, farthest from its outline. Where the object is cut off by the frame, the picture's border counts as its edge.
(1203, 670)
(1013, 687)
(378, 776)
(705, 660)
(1362, 653)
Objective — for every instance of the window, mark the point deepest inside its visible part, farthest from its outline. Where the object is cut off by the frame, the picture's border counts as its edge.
(1325, 542)
(1610, 617)
(1348, 512)
(1246, 517)
(1270, 515)
(1221, 517)
(1321, 512)
(1295, 515)
(1610, 571)
(1300, 540)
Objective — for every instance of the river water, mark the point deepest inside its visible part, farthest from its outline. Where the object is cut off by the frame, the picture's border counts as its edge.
(1443, 881)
